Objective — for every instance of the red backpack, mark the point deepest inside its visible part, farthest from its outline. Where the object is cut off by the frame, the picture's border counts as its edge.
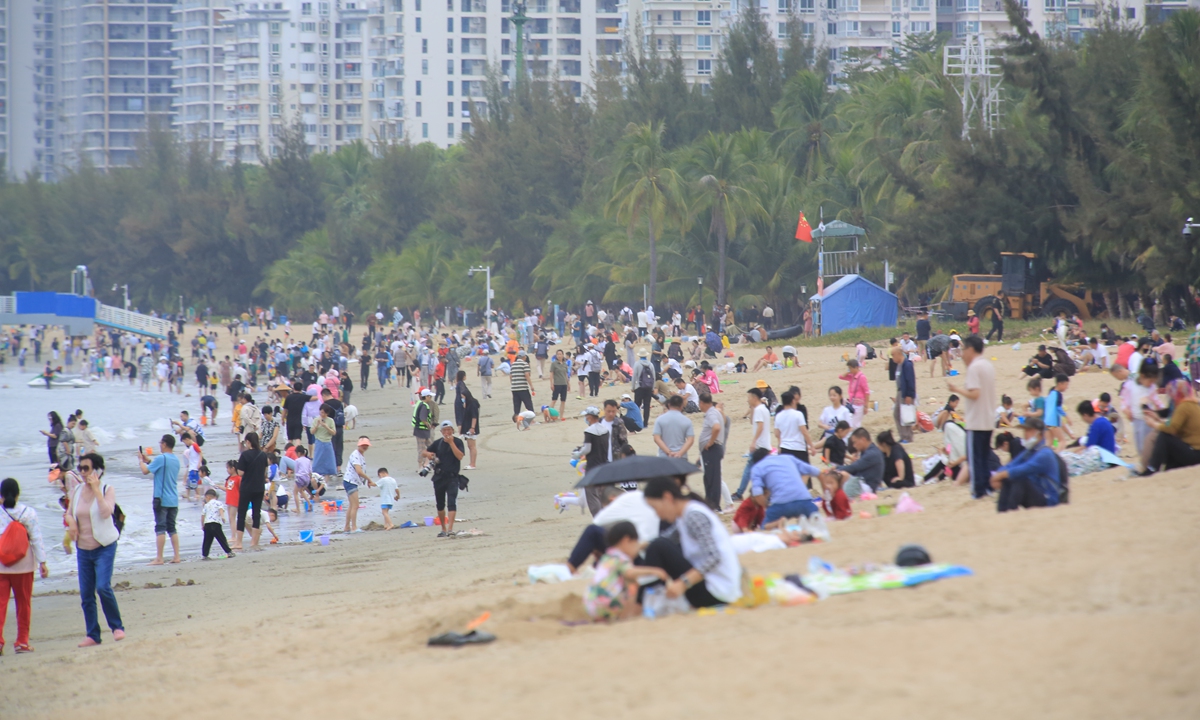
(14, 542)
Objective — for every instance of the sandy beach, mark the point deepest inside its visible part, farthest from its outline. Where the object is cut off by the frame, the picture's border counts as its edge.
(1084, 611)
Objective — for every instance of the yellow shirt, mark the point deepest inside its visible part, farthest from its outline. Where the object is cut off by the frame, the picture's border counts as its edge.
(1185, 423)
(237, 415)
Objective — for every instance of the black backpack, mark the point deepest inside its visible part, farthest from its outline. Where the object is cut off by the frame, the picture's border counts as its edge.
(646, 377)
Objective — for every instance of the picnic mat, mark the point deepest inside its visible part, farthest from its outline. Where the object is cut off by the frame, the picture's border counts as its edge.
(830, 581)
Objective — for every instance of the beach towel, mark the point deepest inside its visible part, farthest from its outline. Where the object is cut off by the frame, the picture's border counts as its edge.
(831, 581)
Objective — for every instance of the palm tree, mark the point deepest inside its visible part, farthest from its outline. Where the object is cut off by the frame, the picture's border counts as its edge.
(645, 184)
(725, 183)
(807, 119)
(414, 276)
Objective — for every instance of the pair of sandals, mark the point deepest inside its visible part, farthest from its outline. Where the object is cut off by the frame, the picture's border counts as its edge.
(444, 534)
(18, 649)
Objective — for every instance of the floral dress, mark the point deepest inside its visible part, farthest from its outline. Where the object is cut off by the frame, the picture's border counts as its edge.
(606, 594)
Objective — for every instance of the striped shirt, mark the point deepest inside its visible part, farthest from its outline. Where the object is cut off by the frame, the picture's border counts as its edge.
(519, 374)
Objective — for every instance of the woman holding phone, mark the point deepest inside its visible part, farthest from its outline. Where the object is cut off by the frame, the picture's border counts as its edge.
(92, 518)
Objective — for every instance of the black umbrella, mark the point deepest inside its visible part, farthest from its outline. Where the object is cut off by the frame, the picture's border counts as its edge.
(638, 467)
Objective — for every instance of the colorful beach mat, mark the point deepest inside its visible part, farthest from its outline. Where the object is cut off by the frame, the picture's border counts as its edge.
(840, 582)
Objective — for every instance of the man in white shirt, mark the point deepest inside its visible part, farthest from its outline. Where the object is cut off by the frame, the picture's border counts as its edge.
(979, 397)
(907, 344)
(791, 428)
(1096, 355)
(760, 421)
(691, 398)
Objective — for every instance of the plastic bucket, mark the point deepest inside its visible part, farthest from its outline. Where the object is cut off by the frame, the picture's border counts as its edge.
(429, 521)
(340, 503)
(306, 536)
(324, 539)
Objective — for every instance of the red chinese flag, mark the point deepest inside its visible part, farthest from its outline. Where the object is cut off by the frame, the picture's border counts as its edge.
(803, 230)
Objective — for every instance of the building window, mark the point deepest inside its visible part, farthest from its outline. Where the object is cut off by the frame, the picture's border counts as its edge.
(704, 42)
(896, 29)
(424, 67)
(807, 29)
(418, 87)
(418, 24)
(806, 6)
(449, 24)
(449, 67)
(782, 33)
(919, 27)
(704, 67)
(308, 27)
(449, 130)
(424, 130)
(785, 5)
(418, 109)
(831, 4)
(450, 87)
(450, 109)
(704, 18)
(274, 28)
(306, 8)
(831, 28)
(424, 45)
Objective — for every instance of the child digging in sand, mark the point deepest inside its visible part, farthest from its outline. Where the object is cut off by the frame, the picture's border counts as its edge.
(610, 595)
(388, 494)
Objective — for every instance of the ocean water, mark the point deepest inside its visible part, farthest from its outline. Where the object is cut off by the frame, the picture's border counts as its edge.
(122, 418)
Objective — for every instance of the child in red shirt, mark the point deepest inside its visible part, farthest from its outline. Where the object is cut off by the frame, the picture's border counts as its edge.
(749, 515)
(835, 502)
(233, 485)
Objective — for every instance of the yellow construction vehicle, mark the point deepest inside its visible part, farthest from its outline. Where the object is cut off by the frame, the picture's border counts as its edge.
(1015, 291)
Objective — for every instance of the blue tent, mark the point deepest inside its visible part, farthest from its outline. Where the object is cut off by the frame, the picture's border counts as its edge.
(854, 302)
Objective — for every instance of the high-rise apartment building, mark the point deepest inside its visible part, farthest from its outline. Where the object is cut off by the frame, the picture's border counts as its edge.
(199, 36)
(81, 80)
(115, 77)
(27, 87)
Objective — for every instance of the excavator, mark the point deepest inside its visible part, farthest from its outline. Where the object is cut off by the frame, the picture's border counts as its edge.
(1015, 291)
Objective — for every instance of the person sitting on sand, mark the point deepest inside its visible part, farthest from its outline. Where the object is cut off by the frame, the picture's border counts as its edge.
(612, 592)
(698, 554)
(768, 358)
(1033, 478)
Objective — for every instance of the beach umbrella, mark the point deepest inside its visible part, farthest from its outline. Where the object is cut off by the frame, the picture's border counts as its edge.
(638, 467)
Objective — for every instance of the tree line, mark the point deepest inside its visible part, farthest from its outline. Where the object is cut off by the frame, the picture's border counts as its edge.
(649, 187)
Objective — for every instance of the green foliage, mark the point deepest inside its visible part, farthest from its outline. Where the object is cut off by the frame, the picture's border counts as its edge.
(648, 184)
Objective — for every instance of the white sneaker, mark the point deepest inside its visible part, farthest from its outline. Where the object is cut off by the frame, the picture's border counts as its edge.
(470, 467)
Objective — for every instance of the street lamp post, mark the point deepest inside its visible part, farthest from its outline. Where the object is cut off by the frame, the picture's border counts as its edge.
(126, 289)
(487, 270)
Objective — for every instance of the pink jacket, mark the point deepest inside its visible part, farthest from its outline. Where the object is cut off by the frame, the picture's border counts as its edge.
(857, 388)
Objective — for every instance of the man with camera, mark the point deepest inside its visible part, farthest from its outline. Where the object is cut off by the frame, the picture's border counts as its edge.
(445, 455)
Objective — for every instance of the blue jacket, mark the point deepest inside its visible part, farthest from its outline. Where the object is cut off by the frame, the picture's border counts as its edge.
(906, 380)
(1038, 464)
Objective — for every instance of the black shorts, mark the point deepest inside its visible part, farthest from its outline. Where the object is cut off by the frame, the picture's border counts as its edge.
(560, 393)
(934, 354)
(294, 431)
(445, 493)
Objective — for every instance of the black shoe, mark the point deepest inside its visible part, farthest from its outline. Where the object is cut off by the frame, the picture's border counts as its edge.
(736, 497)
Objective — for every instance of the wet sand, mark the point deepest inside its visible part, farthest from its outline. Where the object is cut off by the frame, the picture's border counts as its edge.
(1087, 610)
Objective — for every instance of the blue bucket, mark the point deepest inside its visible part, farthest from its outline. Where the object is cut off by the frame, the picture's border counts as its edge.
(306, 536)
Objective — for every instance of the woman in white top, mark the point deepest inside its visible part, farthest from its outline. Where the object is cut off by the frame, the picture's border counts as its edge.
(91, 520)
(17, 578)
(835, 413)
(703, 564)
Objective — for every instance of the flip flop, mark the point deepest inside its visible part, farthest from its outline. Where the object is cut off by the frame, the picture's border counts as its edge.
(408, 524)
(453, 639)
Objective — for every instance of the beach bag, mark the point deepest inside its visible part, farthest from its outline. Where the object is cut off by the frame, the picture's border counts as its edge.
(14, 542)
(908, 415)
(924, 422)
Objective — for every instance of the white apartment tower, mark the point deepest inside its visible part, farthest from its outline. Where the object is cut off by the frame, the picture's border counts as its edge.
(199, 38)
(27, 88)
(115, 77)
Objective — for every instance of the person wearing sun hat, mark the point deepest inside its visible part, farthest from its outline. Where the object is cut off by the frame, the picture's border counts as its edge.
(768, 395)
(355, 475)
(449, 452)
(642, 383)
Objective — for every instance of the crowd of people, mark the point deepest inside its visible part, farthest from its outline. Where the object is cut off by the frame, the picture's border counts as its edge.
(798, 464)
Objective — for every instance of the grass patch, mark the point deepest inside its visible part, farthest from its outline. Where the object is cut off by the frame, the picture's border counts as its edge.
(1014, 330)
